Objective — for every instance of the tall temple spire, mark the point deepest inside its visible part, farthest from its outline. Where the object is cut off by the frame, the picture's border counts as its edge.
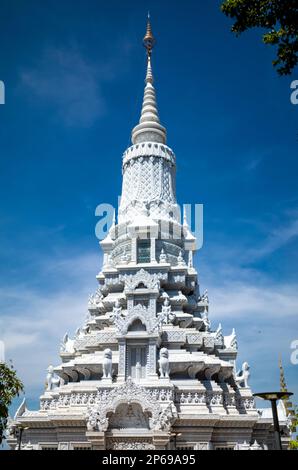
(149, 128)
(283, 388)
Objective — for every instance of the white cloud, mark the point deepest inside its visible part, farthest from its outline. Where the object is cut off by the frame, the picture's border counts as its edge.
(33, 321)
(15, 341)
(237, 299)
(264, 313)
(69, 83)
(271, 233)
(252, 164)
(277, 238)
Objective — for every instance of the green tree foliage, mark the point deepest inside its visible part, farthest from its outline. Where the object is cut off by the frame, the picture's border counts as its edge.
(295, 419)
(280, 20)
(294, 443)
(10, 387)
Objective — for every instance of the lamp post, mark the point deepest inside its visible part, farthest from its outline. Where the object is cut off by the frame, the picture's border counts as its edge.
(21, 429)
(175, 435)
(273, 397)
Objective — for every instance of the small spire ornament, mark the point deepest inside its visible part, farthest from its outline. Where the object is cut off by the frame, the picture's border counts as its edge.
(283, 388)
(180, 259)
(163, 256)
(190, 259)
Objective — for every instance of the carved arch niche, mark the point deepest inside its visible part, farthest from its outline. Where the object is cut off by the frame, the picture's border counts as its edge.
(129, 416)
(137, 325)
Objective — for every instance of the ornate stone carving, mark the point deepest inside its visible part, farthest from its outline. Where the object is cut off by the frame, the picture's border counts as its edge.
(163, 421)
(110, 281)
(150, 280)
(214, 399)
(117, 310)
(249, 403)
(146, 178)
(95, 298)
(154, 395)
(27, 446)
(179, 299)
(230, 341)
(255, 446)
(205, 318)
(96, 420)
(137, 312)
(67, 345)
(128, 393)
(11, 431)
(166, 312)
(190, 259)
(117, 316)
(246, 446)
(245, 403)
(219, 339)
(52, 382)
(151, 358)
(229, 399)
(148, 148)
(164, 365)
(95, 339)
(178, 279)
(82, 331)
(129, 416)
(191, 398)
(243, 375)
(175, 336)
(107, 364)
(122, 358)
(208, 342)
(129, 444)
(180, 260)
(204, 298)
(194, 338)
(163, 256)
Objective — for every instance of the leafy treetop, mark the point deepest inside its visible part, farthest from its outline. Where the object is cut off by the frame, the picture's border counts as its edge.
(278, 17)
(10, 387)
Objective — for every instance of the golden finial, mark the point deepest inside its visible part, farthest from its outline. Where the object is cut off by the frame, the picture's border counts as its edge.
(149, 39)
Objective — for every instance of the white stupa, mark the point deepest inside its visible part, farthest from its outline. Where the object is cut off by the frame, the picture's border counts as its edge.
(146, 370)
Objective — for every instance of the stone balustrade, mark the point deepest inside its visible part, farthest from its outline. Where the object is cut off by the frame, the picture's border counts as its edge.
(164, 394)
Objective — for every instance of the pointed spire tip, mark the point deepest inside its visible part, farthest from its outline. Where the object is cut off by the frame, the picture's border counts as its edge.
(149, 127)
(149, 39)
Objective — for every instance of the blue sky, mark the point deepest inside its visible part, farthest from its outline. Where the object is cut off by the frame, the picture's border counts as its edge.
(74, 75)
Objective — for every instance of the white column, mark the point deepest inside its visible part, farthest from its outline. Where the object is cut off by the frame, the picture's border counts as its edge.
(151, 365)
(122, 359)
(105, 259)
(134, 250)
(152, 250)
